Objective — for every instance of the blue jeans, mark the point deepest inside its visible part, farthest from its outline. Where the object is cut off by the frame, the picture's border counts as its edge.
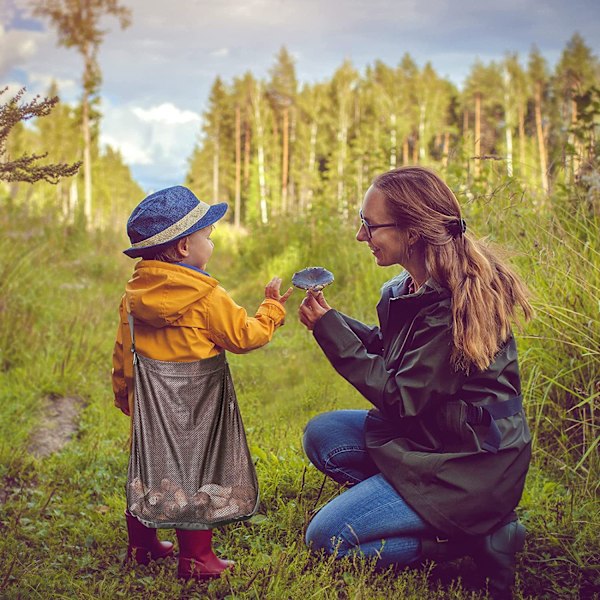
(370, 518)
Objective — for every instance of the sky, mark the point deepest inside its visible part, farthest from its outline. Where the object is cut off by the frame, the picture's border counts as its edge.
(157, 73)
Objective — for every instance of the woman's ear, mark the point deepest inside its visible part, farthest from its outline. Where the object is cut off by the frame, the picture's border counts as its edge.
(183, 247)
(413, 236)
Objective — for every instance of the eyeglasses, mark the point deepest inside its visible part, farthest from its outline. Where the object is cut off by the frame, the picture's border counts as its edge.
(370, 228)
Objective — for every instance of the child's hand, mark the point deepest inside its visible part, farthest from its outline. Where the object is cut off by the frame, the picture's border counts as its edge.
(272, 290)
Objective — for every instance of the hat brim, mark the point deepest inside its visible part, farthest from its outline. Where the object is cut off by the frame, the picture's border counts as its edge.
(213, 214)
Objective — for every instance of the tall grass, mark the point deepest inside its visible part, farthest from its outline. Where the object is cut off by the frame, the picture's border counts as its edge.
(62, 531)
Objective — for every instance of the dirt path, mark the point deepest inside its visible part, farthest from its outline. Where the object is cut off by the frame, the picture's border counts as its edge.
(58, 424)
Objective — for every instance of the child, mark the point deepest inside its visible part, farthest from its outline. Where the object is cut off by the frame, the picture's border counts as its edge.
(181, 314)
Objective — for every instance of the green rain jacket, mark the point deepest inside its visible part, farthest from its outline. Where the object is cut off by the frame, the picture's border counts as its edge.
(430, 432)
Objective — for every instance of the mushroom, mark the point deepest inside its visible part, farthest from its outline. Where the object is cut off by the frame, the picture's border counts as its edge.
(214, 489)
(180, 498)
(137, 487)
(155, 497)
(200, 499)
(312, 278)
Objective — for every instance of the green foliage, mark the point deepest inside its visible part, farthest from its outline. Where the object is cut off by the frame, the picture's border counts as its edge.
(57, 134)
(321, 145)
(63, 531)
(14, 112)
(61, 517)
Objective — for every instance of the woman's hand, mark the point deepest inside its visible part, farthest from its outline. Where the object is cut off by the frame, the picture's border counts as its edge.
(272, 290)
(312, 308)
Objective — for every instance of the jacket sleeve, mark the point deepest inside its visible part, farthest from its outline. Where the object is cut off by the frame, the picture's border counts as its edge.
(118, 371)
(370, 337)
(425, 372)
(230, 327)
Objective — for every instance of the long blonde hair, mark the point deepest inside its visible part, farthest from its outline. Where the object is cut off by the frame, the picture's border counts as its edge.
(485, 292)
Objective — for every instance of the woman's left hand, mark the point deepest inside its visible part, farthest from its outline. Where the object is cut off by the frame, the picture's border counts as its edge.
(312, 308)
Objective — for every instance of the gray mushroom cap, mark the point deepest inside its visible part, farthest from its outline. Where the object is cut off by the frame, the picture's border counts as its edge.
(312, 278)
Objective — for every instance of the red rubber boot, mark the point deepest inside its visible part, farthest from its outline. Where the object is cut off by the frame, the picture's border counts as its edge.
(144, 544)
(196, 557)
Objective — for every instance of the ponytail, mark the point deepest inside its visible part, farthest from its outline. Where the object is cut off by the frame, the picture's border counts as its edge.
(486, 293)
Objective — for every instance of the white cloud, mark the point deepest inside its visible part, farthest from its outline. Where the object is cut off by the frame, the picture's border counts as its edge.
(157, 73)
(155, 141)
(166, 113)
(132, 153)
(220, 52)
(42, 81)
(16, 47)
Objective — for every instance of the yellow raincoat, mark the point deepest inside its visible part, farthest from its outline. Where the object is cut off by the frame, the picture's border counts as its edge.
(183, 315)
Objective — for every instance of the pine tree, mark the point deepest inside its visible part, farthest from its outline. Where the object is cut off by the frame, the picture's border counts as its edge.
(576, 72)
(538, 80)
(282, 90)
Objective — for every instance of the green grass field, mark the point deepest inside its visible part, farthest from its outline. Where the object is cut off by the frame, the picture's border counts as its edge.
(62, 531)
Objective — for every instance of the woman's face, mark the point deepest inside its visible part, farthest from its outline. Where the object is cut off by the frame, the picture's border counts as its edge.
(388, 244)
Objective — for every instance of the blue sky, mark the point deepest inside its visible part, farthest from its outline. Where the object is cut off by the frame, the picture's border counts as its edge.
(157, 73)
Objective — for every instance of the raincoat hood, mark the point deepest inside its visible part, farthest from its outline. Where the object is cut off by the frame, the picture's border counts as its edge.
(160, 293)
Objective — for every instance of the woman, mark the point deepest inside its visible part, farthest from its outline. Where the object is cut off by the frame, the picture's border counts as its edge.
(437, 467)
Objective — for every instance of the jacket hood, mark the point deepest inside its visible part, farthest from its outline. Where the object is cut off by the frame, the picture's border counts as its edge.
(160, 293)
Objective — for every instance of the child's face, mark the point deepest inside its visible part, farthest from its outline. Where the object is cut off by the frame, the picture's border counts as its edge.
(200, 248)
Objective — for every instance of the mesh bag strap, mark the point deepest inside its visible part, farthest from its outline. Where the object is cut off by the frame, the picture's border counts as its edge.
(132, 333)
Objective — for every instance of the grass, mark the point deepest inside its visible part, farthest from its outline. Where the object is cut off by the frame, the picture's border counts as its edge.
(62, 533)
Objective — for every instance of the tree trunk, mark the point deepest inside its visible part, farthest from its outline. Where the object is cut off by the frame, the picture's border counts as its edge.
(540, 136)
(415, 153)
(405, 151)
(359, 183)
(246, 153)
(87, 138)
(422, 140)
(291, 194)
(312, 157)
(238, 168)
(342, 144)
(522, 159)
(216, 151)
(509, 151)
(393, 142)
(574, 142)
(264, 217)
(285, 160)
(446, 149)
(477, 133)
(73, 199)
(508, 134)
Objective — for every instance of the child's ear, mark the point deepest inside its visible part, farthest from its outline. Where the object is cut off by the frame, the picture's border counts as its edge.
(183, 247)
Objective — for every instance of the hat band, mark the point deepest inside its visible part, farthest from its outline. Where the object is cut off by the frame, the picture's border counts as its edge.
(176, 229)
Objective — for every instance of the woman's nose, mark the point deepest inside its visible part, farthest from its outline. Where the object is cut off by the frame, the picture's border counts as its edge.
(361, 234)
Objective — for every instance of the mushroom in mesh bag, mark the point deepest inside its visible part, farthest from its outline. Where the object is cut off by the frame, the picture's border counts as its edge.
(190, 466)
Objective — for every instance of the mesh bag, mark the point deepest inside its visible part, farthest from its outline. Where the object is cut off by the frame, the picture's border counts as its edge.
(190, 467)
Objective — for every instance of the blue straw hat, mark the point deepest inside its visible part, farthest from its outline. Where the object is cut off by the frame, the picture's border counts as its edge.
(166, 216)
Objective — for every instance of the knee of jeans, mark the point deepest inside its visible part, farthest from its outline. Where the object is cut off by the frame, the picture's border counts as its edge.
(315, 433)
(321, 537)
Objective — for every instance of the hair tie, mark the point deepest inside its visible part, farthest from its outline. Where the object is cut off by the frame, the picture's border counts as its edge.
(456, 227)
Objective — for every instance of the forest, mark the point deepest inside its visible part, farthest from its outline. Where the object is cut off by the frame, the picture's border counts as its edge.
(519, 145)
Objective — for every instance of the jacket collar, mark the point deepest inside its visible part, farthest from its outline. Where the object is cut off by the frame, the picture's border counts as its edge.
(395, 292)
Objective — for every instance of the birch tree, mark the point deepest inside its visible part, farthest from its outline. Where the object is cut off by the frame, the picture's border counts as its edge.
(78, 25)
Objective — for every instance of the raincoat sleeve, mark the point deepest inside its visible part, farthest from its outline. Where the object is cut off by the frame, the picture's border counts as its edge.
(230, 327)
(118, 371)
(370, 337)
(425, 372)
